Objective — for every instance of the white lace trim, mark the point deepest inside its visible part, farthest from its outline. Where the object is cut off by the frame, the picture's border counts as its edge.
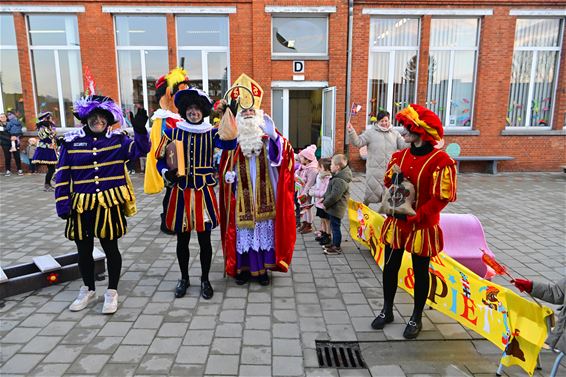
(162, 114)
(194, 128)
(261, 237)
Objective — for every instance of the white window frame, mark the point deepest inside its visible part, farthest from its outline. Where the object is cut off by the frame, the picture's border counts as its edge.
(142, 50)
(448, 106)
(287, 55)
(391, 74)
(55, 49)
(536, 50)
(205, 50)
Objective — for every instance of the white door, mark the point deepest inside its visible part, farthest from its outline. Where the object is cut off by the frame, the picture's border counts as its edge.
(328, 122)
(280, 110)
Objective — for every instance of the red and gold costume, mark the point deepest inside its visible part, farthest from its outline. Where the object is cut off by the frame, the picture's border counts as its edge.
(270, 175)
(434, 178)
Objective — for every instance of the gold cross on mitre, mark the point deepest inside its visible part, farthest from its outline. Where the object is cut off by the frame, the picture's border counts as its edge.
(244, 95)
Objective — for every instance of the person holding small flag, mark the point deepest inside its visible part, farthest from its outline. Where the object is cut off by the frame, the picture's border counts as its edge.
(381, 140)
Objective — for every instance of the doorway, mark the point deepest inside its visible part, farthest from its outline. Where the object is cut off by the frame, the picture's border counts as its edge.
(304, 116)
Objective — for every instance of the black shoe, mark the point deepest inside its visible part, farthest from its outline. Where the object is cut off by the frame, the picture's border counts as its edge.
(413, 329)
(263, 279)
(381, 320)
(181, 288)
(206, 290)
(242, 277)
(326, 240)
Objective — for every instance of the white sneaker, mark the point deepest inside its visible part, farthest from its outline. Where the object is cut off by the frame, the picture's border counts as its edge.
(84, 298)
(8, 173)
(20, 172)
(110, 302)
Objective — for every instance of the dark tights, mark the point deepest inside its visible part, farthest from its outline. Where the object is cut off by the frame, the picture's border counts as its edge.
(205, 253)
(49, 175)
(8, 158)
(86, 261)
(391, 273)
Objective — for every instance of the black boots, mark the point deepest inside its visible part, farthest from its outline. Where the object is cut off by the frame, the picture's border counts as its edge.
(383, 318)
(413, 328)
(206, 290)
(263, 279)
(242, 277)
(181, 288)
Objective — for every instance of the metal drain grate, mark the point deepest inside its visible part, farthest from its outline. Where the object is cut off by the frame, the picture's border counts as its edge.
(344, 355)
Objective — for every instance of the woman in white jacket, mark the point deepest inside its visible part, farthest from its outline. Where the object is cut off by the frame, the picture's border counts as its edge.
(381, 140)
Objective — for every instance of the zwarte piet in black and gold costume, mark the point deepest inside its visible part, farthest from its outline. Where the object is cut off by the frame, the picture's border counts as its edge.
(93, 192)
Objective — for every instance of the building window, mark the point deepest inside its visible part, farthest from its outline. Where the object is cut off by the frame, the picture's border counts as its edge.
(56, 62)
(10, 83)
(299, 36)
(202, 43)
(141, 45)
(393, 61)
(452, 68)
(534, 74)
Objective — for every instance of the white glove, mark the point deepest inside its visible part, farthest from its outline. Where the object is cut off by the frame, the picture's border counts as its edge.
(230, 176)
(269, 128)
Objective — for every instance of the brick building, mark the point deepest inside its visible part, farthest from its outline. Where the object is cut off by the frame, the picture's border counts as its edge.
(494, 71)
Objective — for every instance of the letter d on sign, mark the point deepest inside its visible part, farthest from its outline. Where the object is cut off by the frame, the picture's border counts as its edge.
(298, 66)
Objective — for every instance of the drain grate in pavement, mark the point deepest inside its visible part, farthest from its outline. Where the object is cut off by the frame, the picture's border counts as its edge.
(344, 355)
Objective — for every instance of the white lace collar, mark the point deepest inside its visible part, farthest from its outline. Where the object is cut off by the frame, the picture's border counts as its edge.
(194, 128)
(162, 114)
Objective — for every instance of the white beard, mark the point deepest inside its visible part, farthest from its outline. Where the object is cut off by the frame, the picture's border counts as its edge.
(250, 134)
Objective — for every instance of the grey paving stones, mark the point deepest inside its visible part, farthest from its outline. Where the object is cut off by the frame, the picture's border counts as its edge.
(250, 329)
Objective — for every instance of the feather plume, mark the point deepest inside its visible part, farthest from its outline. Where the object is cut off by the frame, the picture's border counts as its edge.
(86, 105)
(175, 76)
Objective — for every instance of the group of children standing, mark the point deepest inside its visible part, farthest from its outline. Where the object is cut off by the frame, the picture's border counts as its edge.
(325, 185)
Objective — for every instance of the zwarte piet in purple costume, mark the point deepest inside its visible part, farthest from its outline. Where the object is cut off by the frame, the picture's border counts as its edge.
(93, 192)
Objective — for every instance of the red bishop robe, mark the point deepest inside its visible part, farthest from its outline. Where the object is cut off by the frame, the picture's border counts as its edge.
(285, 225)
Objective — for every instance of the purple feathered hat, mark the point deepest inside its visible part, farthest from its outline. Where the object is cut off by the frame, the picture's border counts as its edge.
(87, 105)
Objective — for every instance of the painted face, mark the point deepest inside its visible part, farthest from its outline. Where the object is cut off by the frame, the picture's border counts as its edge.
(194, 114)
(409, 136)
(97, 123)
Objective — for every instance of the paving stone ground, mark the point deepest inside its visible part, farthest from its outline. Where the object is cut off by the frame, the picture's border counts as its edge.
(252, 330)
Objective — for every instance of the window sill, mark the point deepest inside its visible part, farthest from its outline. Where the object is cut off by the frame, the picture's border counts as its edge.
(532, 132)
(460, 132)
(299, 57)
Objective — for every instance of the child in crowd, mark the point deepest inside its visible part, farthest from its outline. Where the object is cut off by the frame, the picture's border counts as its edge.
(14, 127)
(30, 151)
(317, 192)
(308, 172)
(336, 200)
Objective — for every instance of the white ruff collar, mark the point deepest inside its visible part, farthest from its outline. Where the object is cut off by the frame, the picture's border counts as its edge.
(194, 128)
(162, 114)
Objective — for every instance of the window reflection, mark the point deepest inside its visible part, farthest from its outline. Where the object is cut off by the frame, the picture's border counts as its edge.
(53, 30)
(451, 70)
(202, 31)
(533, 78)
(141, 66)
(299, 35)
(203, 43)
(10, 83)
(56, 63)
(141, 31)
(393, 64)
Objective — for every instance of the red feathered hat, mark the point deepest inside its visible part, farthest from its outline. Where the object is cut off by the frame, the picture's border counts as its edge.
(160, 81)
(422, 121)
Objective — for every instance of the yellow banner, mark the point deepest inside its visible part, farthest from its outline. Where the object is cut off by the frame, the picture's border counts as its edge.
(514, 324)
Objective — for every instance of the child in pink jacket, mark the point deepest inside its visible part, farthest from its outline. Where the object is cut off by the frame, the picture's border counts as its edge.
(317, 192)
(308, 173)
